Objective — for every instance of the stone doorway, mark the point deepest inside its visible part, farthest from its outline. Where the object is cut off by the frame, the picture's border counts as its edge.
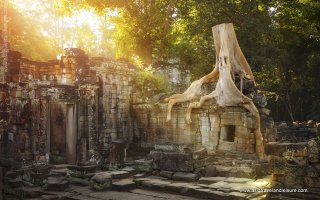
(227, 138)
(62, 133)
(229, 133)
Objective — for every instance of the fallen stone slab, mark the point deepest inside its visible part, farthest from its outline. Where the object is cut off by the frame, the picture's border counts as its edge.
(130, 170)
(123, 185)
(182, 176)
(237, 180)
(210, 194)
(101, 181)
(166, 174)
(237, 195)
(141, 175)
(57, 184)
(210, 180)
(139, 181)
(156, 184)
(176, 187)
(218, 185)
(58, 173)
(119, 174)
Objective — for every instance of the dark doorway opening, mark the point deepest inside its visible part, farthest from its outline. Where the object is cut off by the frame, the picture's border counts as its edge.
(230, 133)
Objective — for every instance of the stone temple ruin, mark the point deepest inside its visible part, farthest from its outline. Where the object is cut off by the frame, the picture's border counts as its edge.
(82, 121)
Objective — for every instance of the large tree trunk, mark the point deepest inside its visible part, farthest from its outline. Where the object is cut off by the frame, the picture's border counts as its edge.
(230, 62)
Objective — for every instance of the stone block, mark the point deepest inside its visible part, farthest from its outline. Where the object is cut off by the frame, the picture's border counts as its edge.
(237, 180)
(231, 118)
(57, 183)
(143, 165)
(250, 122)
(237, 195)
(241, 132)
(200, 154)
(140, 175)
(210, 171)
(166, 174)
(119, 174)
(123, 185)
(171, 161)
(182, 176)
(131, 170)
(217, 185)
(101, 181)
(199, 163)
(78, 181)
(210, 180)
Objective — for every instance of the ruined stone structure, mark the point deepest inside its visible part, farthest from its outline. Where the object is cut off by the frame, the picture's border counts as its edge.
(65, 111)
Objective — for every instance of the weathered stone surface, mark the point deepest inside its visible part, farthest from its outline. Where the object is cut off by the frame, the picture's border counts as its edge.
(79, 181)
(199, 163)
(119, 174)
(166, 174)
(172, 161)
(237, 180)
(182, 176)
(57, 183)
(101, 181)
(237, 195)
(123, 185)
(141, 175)
(218, 184)
(210, 180)
(200, 154)
(29, 192)
(131, 170)
(210, 171)
(143, 165)
(15, 183)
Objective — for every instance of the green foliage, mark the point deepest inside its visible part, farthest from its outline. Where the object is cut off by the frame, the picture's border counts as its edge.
(280, 39)
(24, 36)
(148, 82)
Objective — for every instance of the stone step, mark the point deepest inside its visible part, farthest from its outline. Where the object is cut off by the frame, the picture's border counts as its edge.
(57, 183)
(123, 185)
(182, 176)
(45, 197)
(230, 171)
(219, 190)
(211, 180)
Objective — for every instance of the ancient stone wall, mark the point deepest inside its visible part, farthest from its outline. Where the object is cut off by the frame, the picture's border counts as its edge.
(228, 129)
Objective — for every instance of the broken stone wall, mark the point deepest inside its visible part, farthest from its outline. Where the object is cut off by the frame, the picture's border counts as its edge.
(229, 129)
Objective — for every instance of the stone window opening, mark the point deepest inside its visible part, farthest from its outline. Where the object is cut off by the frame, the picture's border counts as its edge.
(230, 131)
